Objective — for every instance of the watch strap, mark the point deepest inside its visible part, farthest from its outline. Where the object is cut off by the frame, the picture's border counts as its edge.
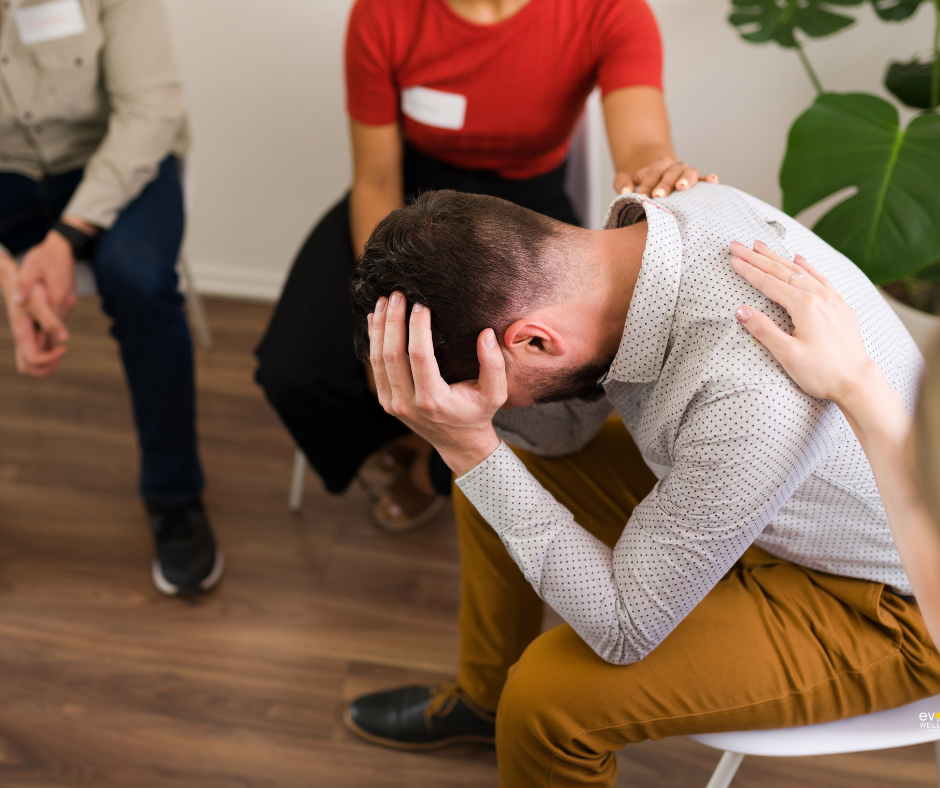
(78, 240)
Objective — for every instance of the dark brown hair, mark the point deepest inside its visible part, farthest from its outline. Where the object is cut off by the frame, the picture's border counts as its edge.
(476, 261)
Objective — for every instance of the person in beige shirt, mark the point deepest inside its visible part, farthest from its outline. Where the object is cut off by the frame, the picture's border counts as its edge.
(92, 131)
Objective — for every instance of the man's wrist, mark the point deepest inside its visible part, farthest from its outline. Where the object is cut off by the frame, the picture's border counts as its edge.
(464, 458)
(81, 225)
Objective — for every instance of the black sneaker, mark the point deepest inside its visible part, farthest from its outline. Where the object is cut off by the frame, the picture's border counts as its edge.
(187, 560)
(420, 718)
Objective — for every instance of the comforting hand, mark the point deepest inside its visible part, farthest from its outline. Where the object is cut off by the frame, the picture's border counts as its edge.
(826, 355)
(38, 335)
(457, 419)
(659, 178)
(52, 265)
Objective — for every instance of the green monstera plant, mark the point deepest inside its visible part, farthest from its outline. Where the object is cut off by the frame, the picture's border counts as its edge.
(854, 143)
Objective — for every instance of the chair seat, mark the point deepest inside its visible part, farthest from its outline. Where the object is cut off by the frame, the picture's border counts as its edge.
(882, 730)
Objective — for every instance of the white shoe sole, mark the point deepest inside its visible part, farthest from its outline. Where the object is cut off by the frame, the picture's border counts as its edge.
(211, 580)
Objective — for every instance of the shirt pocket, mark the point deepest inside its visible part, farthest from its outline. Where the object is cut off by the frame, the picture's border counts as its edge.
(70, 67)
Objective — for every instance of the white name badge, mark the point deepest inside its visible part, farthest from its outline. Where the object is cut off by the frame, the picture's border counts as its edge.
(434, 107)
(49, 21)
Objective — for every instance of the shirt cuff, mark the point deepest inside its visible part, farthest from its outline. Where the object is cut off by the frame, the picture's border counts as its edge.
(96, 203)
(502, 489)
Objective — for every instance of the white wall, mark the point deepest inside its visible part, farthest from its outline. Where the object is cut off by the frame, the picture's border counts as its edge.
(264, 90)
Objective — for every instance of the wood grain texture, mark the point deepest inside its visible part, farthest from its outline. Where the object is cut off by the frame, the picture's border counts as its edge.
(105, 683)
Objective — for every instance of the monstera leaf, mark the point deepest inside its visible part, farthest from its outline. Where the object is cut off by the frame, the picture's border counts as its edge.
(910, 82)
(895, 10)
(777, 19)
(890, 227)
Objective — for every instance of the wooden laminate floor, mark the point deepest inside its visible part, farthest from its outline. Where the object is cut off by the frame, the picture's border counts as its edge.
(105, 683)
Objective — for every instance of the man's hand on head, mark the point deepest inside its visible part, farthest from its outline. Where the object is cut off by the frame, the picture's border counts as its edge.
(456, 419)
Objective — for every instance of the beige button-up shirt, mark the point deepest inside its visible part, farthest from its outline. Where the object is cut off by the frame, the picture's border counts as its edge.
(108, 99)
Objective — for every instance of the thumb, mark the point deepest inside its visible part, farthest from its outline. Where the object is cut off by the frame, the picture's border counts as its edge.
(764, 330)
(492, 381)
(50, 323)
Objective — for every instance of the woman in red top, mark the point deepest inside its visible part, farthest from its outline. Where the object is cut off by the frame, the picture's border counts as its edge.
(474, 95)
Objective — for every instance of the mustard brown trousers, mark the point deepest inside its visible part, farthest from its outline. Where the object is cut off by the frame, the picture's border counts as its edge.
(774, 644)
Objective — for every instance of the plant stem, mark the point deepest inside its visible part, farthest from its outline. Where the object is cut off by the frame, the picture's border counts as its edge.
(809, 69)
(935, 75)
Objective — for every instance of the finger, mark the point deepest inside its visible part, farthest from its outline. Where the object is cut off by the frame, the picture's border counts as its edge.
(711, 178)
(768, 284)
(394, 353)
(768, 261)
(667, 180)
(376, 343)
(49, 322)
(424, 368)
(650, 175)
(804, 264)
(492, 381)
(765, 331)
(623, 183)
(688, 179)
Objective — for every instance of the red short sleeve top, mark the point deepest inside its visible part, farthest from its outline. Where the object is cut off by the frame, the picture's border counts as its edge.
(501, 97)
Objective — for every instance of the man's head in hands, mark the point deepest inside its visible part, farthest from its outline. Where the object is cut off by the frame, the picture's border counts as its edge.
(478, 262)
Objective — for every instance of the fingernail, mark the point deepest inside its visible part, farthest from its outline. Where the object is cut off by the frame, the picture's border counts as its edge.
(416, 307)
(760, 244)
(682, 184)
(643, 194)
(659, 192)
(489, 339)
(17, 297)
(736, 243)
(380, 305)
(743, 313)
(369, 319)
(799, 259)
(63, 336)
(395, 300)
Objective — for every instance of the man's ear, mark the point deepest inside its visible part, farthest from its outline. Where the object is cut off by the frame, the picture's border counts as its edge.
(532, 339)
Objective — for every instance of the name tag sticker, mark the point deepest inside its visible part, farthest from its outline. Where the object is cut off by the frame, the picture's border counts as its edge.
(49, 21)
(434, 107)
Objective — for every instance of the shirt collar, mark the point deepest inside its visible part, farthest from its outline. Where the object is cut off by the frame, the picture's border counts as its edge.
(653, 306)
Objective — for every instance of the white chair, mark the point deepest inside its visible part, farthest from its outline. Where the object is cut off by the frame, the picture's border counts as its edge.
(85, 278)
(882, 730)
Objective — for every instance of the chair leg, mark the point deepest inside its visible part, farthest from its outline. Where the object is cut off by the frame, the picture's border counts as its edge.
(936, 750)
(295, 498)
(194, 304)
(725, 771)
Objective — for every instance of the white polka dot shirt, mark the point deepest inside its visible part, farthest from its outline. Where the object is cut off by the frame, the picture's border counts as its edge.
(743, 455)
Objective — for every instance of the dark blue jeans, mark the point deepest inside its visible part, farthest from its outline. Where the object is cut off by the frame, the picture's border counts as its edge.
(135, 269)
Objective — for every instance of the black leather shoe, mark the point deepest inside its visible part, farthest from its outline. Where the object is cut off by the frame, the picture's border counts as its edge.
(420, 718)
(187, 560)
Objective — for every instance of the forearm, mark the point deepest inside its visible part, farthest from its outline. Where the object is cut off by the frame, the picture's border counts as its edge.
(369, 203)
(880, 421)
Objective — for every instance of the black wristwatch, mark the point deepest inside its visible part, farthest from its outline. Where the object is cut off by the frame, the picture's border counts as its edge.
(76, 238)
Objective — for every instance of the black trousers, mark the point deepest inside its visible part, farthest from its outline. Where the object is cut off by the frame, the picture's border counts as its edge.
(307, 366)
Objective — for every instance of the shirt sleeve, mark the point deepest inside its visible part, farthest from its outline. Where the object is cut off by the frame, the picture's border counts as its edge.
(371, 92)
(553, 429)
(146, 96)
(631, 49)
(733, 468)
